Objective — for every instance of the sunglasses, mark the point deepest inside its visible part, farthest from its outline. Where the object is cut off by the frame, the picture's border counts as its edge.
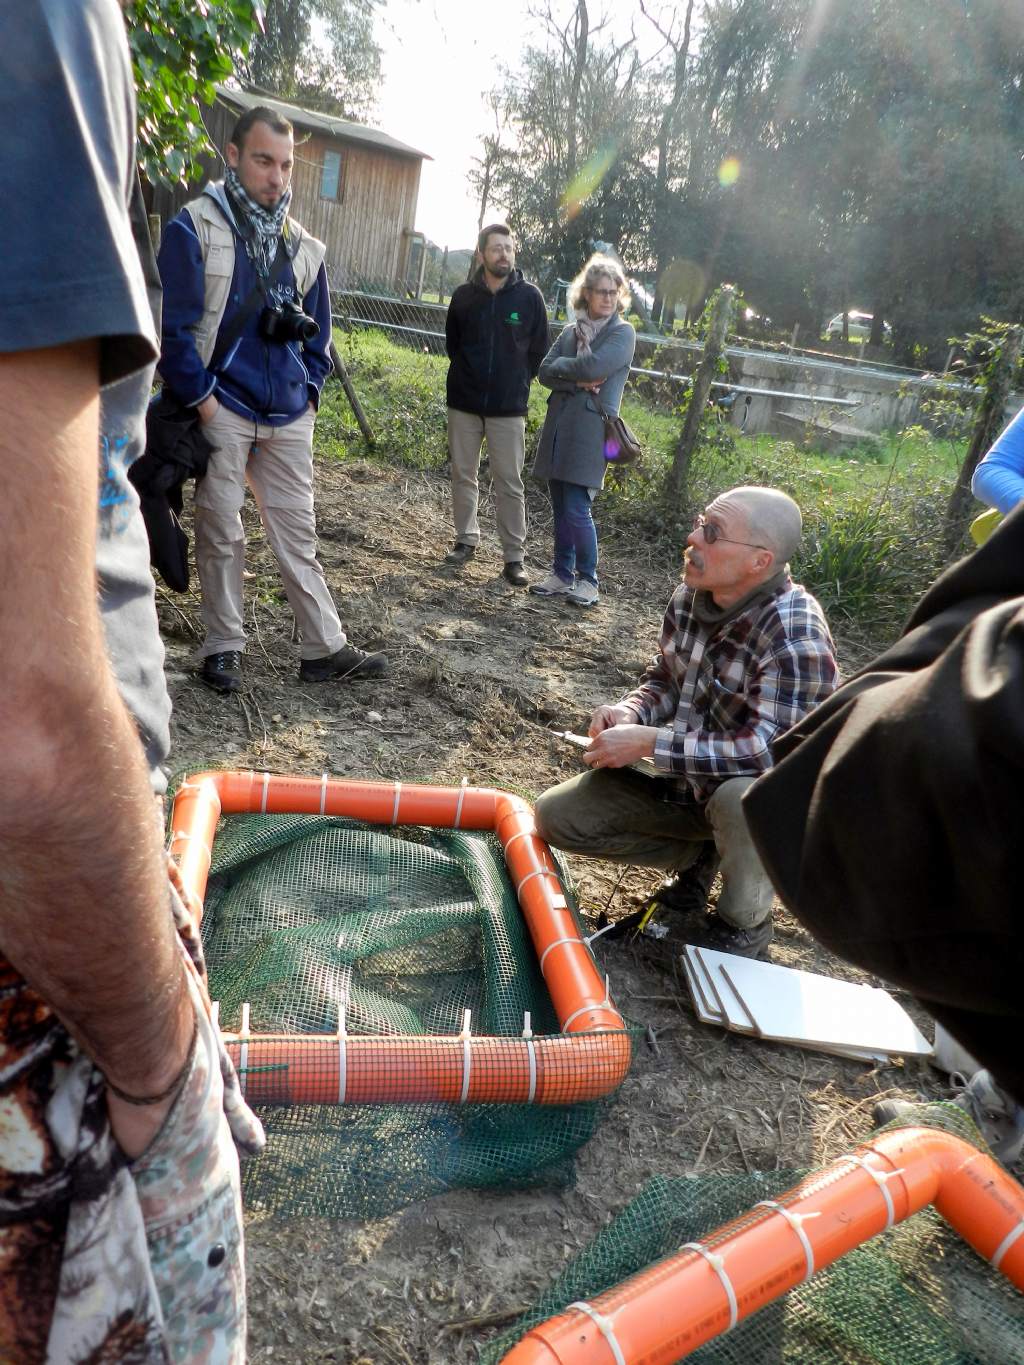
(712, 533)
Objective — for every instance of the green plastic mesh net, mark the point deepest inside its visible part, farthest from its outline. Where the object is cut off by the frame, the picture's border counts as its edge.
(410, 927)
(917, 1295)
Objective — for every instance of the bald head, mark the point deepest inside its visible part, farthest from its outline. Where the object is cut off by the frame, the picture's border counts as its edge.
(773, 519)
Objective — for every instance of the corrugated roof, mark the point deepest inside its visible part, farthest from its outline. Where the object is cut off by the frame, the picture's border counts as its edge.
(321, 123)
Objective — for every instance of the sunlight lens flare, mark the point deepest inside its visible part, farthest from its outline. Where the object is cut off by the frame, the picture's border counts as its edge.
(587, 180)
(729, 171)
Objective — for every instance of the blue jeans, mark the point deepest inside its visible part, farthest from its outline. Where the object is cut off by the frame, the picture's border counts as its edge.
(575, 532)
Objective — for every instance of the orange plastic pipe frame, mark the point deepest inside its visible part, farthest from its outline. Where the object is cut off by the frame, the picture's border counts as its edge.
(667, 1311)
(589, 1059)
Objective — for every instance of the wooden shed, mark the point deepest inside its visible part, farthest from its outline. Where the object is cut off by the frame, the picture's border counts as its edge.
(353, 187)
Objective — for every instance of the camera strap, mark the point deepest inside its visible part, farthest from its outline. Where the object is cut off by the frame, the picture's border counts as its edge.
(253, 304)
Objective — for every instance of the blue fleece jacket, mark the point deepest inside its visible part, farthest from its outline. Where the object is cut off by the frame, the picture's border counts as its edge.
(268, 381)
(999, 478)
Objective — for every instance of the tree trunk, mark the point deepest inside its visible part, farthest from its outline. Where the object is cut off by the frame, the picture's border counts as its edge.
(714, 344)
(987, 427)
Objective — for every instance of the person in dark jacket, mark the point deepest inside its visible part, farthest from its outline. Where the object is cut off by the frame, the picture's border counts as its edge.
(890, 818)
(246, 340)
(586, 370)
(496, 334)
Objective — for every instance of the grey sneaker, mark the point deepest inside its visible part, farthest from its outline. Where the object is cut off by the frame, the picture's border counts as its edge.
(997, 1115)
(552, 586)
(459, 553)
(584, 594)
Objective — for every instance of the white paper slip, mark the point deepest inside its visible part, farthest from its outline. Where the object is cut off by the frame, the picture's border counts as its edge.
(642, 765)
(801, 1007)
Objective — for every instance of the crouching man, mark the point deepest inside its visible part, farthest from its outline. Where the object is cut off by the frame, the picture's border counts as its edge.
(744, 654)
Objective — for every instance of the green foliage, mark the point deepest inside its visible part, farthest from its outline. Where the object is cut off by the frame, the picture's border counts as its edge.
(872, 521)
(338, 76)
(180, 49)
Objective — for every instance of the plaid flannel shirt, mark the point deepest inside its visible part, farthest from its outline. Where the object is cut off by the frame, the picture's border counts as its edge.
(721, 694)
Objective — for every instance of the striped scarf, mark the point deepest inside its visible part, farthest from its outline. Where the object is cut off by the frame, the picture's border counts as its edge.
(260, 227)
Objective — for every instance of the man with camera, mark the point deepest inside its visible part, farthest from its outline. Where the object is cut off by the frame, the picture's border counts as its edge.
(246, 341)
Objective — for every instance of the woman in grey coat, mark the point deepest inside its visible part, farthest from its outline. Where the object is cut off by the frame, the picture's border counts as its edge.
(588, 362)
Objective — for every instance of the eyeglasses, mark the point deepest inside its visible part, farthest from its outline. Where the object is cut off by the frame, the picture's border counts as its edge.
(712, 533)
(605, 293)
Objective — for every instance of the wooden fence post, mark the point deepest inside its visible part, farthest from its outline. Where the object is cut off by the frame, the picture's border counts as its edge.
(987, 427)
(350, 394)
(714, 344)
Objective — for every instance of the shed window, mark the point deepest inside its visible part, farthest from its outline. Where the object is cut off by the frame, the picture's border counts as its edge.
(330, 176)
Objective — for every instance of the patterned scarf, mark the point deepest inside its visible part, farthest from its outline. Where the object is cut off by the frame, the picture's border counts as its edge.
(261, 227)
(587, 329)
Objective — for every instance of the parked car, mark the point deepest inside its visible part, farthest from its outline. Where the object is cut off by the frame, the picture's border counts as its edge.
(860, 326)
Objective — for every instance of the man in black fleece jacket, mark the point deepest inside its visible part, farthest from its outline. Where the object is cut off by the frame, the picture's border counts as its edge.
(496, 335)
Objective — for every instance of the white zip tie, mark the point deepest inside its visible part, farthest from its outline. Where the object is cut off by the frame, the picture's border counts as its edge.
(795, 1221)
(1007, 1242)
(519, 834)
(531, 1052)
(557, 944)
(606, 1004)
(467, 1053)
(458, 805)
(190, 838)
(541, 872)
(342, 1052)
(597, 934)
(880, 1178)
(323, 794)
(243, 1055)
(266, 791)
(398, 797)
(605, 1327)
(717, 1264)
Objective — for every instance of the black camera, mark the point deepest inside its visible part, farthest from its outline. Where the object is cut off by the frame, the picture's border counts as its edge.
(287, 322)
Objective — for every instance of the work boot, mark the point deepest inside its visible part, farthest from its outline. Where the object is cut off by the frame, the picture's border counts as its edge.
(223, 671)
(677, 905)
(686, 892)
(514, 573)
(459, 554)
(722, 937)
(997, 1115)
(348, 662)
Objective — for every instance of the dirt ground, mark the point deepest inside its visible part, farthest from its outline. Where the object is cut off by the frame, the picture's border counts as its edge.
(479, 672)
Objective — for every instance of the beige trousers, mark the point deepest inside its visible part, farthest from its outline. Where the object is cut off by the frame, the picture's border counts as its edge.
(506, 450)
(277, 463)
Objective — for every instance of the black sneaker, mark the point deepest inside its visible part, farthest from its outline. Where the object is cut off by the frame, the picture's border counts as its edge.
(514, 573)
(716, 934)
(459, 553)
(346, 662)
(223, 672)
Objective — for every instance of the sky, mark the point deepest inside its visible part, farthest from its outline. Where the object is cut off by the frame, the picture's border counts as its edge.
(440, 59)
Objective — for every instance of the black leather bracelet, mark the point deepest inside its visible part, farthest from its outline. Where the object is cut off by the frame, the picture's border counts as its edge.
(174, 1086)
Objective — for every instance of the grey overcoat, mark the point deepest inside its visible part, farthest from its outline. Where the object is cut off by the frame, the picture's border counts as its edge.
(572, 442)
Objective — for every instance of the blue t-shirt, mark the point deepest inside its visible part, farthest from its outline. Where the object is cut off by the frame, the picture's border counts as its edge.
(73, 272)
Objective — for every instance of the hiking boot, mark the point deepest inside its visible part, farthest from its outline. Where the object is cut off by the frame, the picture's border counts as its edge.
(996, 1114)
(459, 554)
(686, 892)
(514, 573)
(716, 934)
(552, 586)
(584, 594)
(346, 662)
(223, 672)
